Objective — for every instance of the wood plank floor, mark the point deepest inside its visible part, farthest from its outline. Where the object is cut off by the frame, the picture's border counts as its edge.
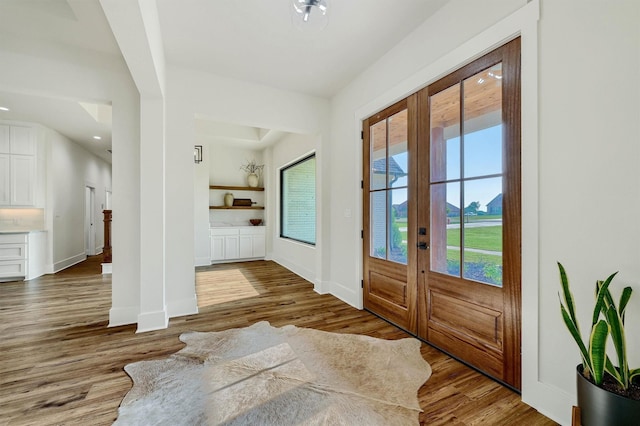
(60, 363)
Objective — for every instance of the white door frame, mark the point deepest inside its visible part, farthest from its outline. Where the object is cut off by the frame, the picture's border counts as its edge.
(89, 221)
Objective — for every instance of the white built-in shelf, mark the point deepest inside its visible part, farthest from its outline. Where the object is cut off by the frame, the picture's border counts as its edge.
(236, 188)
(236, 208)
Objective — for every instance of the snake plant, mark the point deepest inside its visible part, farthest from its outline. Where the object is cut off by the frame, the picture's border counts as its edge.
(607, 320)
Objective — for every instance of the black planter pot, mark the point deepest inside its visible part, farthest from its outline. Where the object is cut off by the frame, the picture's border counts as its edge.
(599, 407)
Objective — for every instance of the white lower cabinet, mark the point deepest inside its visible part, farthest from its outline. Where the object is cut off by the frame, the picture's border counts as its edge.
(13, 256)
(233, 243)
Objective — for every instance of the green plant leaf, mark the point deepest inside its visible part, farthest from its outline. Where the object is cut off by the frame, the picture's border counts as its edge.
(568, 297)
(603, 296)
(613, 371)
(573, 329)
(624, 299)
(634, 373)
(597, 350)
(616, 329)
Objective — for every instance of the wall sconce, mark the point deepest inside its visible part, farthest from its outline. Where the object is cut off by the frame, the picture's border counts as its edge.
(197, 154)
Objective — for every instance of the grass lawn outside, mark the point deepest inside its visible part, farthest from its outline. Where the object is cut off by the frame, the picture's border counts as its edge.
(483, 238)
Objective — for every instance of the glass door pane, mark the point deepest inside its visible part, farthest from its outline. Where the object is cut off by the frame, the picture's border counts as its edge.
(389, 158)
(466, 169)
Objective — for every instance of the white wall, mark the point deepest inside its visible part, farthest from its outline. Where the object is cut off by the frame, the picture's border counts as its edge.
(298, 257)
(71, 168)
(579, 159)
(589, 155)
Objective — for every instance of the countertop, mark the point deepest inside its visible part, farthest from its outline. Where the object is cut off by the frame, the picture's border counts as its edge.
(20, 231)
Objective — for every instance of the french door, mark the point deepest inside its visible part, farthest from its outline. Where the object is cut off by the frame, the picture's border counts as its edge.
(442, 213)
(389, 240)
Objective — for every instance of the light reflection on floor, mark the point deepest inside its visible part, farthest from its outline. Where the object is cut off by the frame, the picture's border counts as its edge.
(224, 286)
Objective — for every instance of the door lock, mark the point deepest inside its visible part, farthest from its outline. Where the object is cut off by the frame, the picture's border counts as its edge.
(423, 246)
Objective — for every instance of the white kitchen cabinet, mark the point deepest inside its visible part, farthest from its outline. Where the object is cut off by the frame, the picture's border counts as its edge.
(234, 243)
(23, 180)
(5, 144)
(217, 247)
(18, 174)
(246, 246)
(21, 140)
(22, 255)
(5, 179)
(231, 247)
(13, 256)
(252, 241)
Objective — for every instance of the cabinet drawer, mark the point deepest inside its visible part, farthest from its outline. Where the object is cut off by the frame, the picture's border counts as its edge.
(13, 238)
(223, 232)
(252, 230)
(13, 252)
(15, 268)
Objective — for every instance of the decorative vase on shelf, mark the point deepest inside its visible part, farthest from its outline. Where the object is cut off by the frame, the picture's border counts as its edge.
(252, 180)
(228, 199)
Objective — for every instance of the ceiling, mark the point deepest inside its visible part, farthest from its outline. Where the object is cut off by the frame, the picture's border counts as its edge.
(251, 40)
(255, 40)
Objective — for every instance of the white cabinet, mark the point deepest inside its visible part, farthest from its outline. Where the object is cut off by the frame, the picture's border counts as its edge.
(252, 241)
(217, 247)
(5, 144)
(21, 140)
(233, 243)
(17, 166)
(13, 256)
(22, 255)
(5, 179)
(23, 180)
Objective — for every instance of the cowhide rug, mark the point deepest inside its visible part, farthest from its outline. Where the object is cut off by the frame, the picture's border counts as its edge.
(263, 375)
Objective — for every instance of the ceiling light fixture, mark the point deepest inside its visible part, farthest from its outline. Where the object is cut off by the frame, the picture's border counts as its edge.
(310, 14)
(97, 138)
(4, 108)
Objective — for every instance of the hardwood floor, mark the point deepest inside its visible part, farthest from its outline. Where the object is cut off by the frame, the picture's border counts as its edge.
(61, 364)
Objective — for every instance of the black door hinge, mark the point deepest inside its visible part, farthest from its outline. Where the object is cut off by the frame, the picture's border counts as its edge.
(361, 283)
(361, 184)
(362, 135)
(362, 233)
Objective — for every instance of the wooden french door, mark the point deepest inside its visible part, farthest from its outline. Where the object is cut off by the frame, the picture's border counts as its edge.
(389, 214)
(459, 287)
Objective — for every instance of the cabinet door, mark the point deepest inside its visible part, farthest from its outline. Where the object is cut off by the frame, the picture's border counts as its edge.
(246, 246)
(13, 268)
(231, 250)
(22, 142)
(259, 246)
(217, 248)
(5, 179)
(23, 187)
(5, 146)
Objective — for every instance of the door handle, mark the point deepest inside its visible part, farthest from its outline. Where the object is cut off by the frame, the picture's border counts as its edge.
(423, 246)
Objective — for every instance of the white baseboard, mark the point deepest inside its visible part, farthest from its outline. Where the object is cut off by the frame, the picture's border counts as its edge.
(244, 259)
(557, 403)
(180, 308)
(154, 320)
(296, 269)
(348, 295)
(70, 261)
(321, 287)
(123, 316)
(107, 268)
(202, 261)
